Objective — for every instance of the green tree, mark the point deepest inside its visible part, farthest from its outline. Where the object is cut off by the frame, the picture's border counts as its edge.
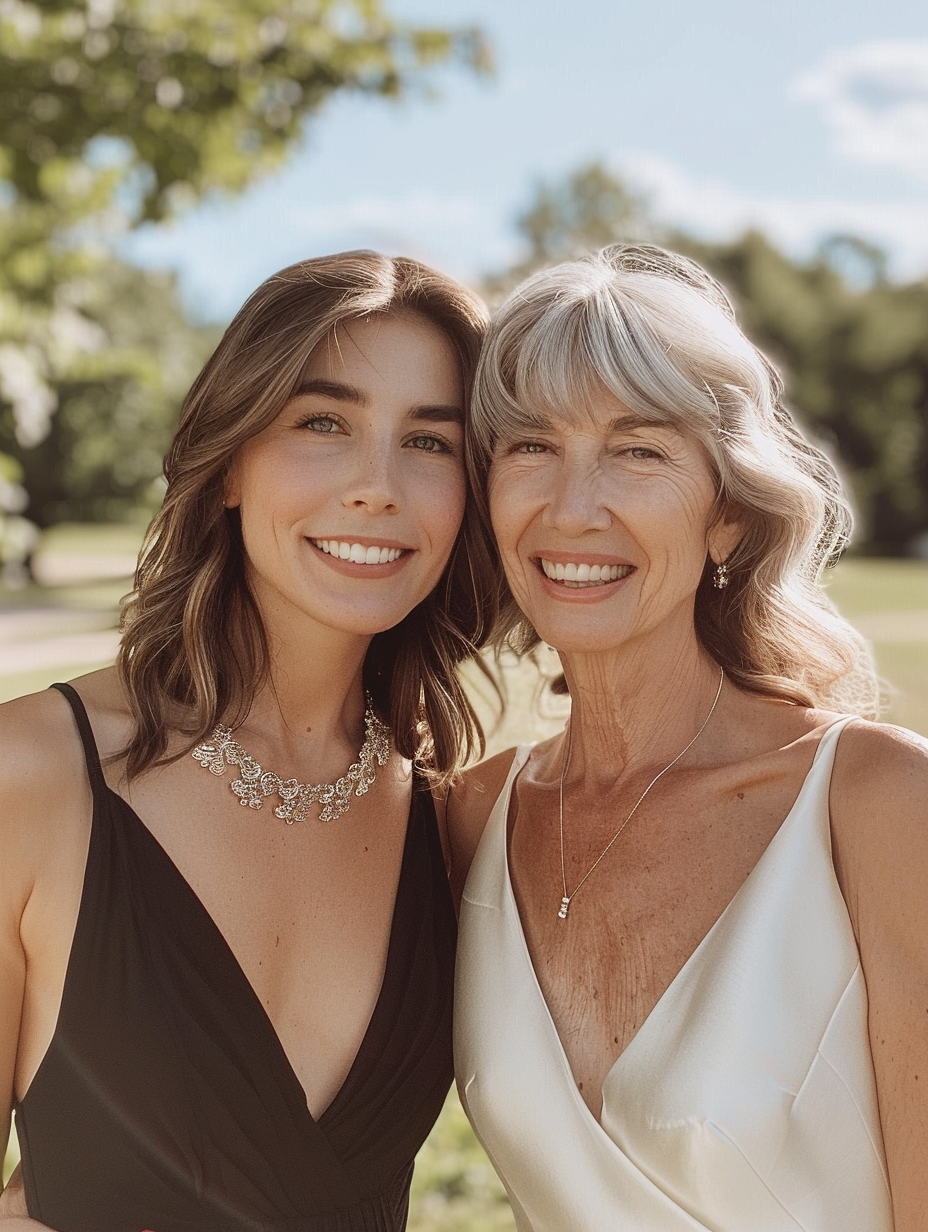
(585, 211)
(193, 95)
(856, 363)
(97, 457)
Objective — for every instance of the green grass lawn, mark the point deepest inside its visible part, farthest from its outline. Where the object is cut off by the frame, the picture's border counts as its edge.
(888, 602)
(455, 1189)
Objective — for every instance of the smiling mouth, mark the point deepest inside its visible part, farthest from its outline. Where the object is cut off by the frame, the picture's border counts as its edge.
(357, 553)
(581, 575)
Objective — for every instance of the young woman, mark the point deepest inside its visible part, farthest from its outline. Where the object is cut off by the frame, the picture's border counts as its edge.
(226, 936)
(693, 958)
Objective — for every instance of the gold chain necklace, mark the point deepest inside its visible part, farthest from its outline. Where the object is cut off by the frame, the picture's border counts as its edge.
(568, 898)
(255, 784)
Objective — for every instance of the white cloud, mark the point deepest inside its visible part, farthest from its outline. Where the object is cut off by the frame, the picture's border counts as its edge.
(719, 211)
(874, 98)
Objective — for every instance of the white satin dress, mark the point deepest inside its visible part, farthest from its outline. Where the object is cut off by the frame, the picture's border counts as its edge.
(745, 1103)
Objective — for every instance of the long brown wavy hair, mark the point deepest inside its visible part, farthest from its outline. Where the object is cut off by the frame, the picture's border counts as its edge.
(194, 649)
(656, 331)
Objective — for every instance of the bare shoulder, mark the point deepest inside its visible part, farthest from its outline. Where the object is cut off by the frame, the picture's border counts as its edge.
(468, 805)
(880, 777)
(36, 735)
(44, 776)
(42, 755)
(879, 822)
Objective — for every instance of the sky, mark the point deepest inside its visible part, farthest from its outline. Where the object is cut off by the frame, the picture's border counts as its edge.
(802, 117)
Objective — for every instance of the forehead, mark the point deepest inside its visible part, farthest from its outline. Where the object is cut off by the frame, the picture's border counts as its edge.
(383, 347)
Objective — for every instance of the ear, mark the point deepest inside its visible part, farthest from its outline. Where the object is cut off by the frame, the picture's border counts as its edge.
(724, 535)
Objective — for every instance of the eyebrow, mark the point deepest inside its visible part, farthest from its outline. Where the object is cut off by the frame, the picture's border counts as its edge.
(338, 391)
(622, 423)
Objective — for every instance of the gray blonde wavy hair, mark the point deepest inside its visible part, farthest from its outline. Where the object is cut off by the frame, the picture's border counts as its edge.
(194, 649)
(656, 331)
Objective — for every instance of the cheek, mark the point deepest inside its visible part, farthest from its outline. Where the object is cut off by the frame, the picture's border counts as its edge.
(441, 507)
(505, 510)
(679, 534)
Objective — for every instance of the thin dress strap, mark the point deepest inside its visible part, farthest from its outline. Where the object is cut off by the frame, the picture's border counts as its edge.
(91, 755)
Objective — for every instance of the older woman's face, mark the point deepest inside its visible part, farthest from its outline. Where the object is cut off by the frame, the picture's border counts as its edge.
(603, 524)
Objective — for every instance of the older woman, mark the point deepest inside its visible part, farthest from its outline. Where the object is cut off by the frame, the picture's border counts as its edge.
(693, 963)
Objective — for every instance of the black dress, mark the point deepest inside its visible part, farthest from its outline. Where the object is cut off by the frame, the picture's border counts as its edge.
(166, 1101)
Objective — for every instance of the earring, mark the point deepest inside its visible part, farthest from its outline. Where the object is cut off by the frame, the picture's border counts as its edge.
(720, 578)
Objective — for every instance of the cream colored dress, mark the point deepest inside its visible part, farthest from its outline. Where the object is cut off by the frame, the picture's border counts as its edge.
(745, 1103)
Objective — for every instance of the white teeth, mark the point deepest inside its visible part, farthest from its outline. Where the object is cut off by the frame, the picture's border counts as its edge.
(579, 575)
(357, 553)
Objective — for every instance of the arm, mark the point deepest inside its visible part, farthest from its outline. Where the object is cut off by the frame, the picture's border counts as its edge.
(880, 832)
(13, 1205)
(14, 894)
(29, 792)
(467, 807)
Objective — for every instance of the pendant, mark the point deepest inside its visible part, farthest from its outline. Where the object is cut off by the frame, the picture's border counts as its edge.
(565, 907)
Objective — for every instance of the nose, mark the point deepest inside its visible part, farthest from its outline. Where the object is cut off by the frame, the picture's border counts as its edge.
(374, 484)
(575, 503)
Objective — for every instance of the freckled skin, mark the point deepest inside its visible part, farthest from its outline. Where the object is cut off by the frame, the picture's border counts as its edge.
(334, 469)
(608, 483)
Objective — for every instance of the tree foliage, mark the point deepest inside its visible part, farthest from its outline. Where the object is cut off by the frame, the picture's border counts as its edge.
(116, 112)
(99, 455)
(856, 363)
(193, 95)
(585, 211)
(852, 345)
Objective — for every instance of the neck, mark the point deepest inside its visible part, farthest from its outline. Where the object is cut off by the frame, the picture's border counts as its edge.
(637, 708)
(307, 719)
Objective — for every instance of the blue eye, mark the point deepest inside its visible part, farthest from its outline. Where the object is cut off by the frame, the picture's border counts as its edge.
(427, 443)
(324, 424)
(528, 447)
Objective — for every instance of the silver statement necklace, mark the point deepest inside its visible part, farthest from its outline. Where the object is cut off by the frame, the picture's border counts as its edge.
(568, 898)
(255, 784)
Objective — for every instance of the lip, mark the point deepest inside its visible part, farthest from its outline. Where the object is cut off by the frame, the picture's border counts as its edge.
(359, 569)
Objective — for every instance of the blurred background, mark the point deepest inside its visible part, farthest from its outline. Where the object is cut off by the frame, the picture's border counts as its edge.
(159, 158)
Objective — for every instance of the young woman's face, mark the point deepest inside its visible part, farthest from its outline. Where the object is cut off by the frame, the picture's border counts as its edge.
(604, 523)
(351, 500)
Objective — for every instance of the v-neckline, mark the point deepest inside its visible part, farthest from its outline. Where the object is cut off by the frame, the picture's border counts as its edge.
(246, 988)
(773, 846)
